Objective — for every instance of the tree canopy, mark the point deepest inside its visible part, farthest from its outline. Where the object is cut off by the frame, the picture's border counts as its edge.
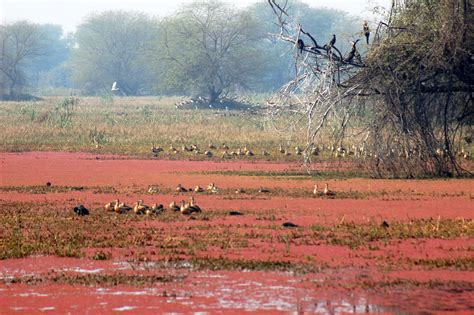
(21, 44)
(211, 49)
(207, 48)
(114, 47)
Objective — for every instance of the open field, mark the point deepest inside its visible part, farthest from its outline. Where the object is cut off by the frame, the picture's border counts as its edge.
(338, 258)
(131, 125)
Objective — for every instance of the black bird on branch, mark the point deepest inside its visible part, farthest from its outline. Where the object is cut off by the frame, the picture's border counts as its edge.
(366, 31)
(333, 40)
(300, 45)
(353, 52)
(331, 43)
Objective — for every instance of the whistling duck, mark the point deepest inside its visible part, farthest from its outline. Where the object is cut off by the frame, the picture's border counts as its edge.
(225, 146)
(211, 146)
(121, 207)
(208, 153)
(265, 153)
(156, 150)
(173, 206)
(152, 190)
(211, 187)
(184, 208)
(110, 205)
(192, 206)
(315, 191)
(249, 153)
(315, 151)
(157, 208)
(180, 188)
(198, 189)
(328, 192)
(281, 149)
(240, 191)
(139, 207)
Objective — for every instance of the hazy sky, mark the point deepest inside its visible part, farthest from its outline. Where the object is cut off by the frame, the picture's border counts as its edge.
(69, 13)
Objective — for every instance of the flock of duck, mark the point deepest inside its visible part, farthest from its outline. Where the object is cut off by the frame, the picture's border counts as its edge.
(140, 208)
(184, 207)
(193, 148)
(335, 151)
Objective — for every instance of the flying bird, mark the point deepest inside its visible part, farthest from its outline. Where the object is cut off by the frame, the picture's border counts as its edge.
(366, 31)
(114, 87)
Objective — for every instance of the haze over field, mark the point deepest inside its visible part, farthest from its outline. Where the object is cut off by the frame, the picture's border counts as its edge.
(209, 156)
(70, 13)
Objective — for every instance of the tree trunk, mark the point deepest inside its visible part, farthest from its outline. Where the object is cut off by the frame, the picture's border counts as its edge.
(214, 94)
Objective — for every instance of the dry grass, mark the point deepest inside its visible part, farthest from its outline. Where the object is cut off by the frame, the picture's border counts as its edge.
(131, 126)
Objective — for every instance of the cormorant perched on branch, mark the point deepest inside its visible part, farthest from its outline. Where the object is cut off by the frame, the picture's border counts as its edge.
(333, 40)
(300, 45)
(366, 31)
(353, 52)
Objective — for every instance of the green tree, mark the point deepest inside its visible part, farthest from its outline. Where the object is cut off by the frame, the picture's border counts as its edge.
(54, 62)
(21, 43)
(210, 49)
(114, 46)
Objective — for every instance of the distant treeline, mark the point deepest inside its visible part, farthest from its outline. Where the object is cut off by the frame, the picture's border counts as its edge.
(206, 48)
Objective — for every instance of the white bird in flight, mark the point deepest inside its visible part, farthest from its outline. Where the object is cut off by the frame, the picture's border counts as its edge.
(114, 87)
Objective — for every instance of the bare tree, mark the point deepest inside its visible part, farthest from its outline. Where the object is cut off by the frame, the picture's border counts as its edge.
(406, 106)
